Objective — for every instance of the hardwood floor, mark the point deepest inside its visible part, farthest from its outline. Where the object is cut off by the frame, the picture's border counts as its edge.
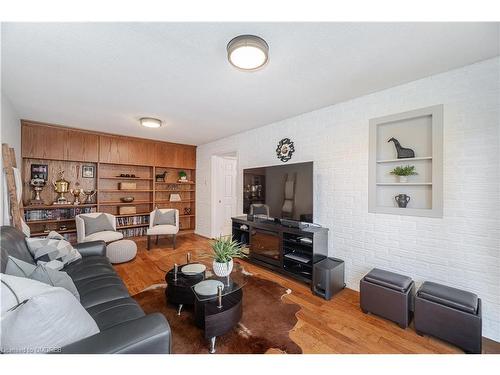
(335, 326)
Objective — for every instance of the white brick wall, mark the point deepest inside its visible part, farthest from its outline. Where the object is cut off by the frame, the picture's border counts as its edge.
(462, 249)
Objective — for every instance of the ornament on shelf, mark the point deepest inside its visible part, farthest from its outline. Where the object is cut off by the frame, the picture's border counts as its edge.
(403, 152)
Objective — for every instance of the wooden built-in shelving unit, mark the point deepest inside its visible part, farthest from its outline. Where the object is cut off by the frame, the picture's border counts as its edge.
(110, 155)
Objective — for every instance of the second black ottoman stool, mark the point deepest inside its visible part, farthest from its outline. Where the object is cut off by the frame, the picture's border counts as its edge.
(387, 294)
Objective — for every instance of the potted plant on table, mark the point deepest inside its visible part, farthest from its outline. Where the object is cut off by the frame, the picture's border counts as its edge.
(404, 172)
(225, 249)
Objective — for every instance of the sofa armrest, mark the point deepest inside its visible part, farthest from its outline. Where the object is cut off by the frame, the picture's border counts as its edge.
(92, 248)
(147, 335)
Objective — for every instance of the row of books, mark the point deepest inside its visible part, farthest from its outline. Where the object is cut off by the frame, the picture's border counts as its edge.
(132, 220)
(56, 214)
(134, 232)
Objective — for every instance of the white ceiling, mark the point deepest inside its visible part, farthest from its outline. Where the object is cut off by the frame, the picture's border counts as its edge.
(106, 76)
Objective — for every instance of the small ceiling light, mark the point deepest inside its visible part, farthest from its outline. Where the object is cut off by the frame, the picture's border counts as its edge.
(150, 122)
(247, 52)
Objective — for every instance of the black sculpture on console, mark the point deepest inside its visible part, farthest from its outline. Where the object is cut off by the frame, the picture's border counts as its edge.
(403, 153)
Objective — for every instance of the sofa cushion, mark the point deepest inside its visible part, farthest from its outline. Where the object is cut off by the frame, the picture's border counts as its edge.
(96, 224)
(388, 279)
(159, 230)
(12, 243)
(100, 289)
(106, 236)
(89, 267)
(114, 312)
(448, 296)
(164, 218)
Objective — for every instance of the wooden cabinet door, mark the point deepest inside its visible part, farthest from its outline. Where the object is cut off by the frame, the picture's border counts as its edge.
(113, 150)
(164, 154)
(141, 152)
(82, 146)
(187, 157)
(43, 142)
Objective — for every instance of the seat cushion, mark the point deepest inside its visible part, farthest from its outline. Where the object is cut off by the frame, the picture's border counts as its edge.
(89, 267)
(448, 296)
(114, 312)
(101, 289)
(389, 279)
(106, 236)
(158, 230)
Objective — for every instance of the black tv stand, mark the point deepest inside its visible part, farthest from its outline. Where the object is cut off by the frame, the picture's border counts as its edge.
(288, 250)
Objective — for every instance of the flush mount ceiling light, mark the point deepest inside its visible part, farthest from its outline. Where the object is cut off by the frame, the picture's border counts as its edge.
(150, 122)
(247, 52)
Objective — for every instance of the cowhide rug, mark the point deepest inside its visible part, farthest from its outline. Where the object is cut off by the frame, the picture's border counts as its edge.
(265, 325)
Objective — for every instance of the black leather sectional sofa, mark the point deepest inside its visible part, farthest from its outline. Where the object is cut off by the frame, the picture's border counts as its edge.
(124, 326)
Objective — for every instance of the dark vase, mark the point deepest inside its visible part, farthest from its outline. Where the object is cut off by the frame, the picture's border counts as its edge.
(402, 200)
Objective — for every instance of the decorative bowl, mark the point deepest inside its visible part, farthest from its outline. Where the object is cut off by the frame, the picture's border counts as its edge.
(127, 199)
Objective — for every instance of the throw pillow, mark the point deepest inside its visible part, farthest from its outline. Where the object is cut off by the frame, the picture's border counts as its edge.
(97, 224)
(164, 218)
(16, 267)
(47, 249)
(15, 290)
(44, 322)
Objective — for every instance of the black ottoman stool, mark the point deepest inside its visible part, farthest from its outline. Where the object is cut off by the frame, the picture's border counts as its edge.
(387, 294)
(450, 314)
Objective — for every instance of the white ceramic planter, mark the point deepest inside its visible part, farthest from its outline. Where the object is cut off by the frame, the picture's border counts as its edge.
(403, 179)
(223, 269)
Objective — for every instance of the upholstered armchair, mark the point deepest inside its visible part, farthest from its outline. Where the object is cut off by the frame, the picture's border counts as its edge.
(163, 225)
(91, 230)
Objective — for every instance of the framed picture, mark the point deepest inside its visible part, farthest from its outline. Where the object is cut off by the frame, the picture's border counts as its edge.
(88, 171)
(39, 171)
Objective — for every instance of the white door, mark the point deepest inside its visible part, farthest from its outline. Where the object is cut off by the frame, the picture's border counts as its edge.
(225, 195)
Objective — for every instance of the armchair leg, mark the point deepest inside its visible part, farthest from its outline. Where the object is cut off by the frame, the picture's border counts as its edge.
(174, 240)
(157, 240)
(149, 242)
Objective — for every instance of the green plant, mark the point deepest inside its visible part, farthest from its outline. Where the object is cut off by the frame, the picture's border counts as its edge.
(182, 174)
(409, 170)
(225, 249)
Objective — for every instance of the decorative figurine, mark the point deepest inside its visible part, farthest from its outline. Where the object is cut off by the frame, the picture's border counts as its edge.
(38, 185)
(402, 200)
(403, 153)
(161, 177)
(61, 187)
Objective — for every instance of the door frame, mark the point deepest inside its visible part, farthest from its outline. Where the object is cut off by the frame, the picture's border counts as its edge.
(213, 183)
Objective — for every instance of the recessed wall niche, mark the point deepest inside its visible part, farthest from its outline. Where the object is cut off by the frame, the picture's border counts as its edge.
(420, 130)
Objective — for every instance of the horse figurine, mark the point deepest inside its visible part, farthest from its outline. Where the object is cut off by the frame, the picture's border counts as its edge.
(403, 153)
(161, 177)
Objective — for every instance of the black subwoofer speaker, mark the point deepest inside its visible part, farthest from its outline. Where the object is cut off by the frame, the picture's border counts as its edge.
(328, 277)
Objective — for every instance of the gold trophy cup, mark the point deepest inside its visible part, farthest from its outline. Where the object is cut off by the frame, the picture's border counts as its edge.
(61, 187)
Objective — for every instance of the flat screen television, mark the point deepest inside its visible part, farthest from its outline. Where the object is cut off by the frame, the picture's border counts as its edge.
(279, 191)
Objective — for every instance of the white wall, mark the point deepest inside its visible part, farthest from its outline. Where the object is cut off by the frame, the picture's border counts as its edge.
(461, 249)
(10, 133)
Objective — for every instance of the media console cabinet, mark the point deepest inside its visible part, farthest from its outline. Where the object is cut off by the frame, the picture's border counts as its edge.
(290, 251)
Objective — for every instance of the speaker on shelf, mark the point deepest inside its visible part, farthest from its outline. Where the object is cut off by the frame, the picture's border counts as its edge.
(328, 277)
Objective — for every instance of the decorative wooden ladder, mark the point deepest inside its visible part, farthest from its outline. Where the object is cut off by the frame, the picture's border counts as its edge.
(16, 208)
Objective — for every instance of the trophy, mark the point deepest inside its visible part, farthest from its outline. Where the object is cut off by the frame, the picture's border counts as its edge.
(88, 196)
(61, 187)
(76, 192)
(37, 184)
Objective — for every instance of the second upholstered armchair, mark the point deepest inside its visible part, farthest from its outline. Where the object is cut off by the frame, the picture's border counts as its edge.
(163, 221)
